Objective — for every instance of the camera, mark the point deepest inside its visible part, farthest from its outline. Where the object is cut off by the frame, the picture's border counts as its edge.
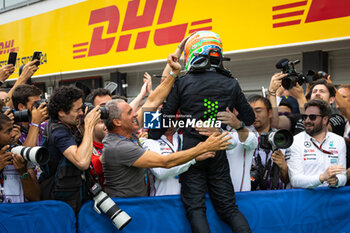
(104, 203)
(280, 139)
(36, 154)
(312, 75)
(293, 76)
(104, 111)
(19, 116)
(37, 103)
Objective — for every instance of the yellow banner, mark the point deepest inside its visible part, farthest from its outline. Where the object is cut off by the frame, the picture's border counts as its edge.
(109, 33)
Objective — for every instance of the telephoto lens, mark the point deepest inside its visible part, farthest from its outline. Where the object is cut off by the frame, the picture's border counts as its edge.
(280, 139)
(36, 154)
(105, 204)
(19, 116)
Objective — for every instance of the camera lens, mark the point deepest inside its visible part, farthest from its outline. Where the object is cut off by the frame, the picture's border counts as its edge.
(22, 116)
(283, 139)
(104, 113)
(288, 82)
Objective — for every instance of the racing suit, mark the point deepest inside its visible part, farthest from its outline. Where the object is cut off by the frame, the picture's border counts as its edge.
(201, 96)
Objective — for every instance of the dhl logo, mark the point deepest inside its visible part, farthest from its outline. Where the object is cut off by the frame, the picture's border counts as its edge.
(162, 35)
(7, 46)
(319, 10)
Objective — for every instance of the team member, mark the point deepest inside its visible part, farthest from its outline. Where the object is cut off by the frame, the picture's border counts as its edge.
(317, 157)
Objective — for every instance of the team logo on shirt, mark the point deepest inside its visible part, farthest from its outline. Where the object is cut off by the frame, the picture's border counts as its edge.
(307, 144)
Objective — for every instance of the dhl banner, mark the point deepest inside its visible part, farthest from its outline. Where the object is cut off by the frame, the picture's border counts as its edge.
(98, 34)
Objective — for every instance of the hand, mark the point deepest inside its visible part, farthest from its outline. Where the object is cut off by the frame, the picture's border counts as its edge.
(329, 80)
(217, 141)
(39, 114)
(297, 91)
(207, 131)
(276, 82)
(9, 114)
(205, 156)
(278, 158)
(331, 171)
(332, 181)
(6, 71)
(92, 117)
(182, 44)
(28, 70)
(143, 135)
(148, 79)
(19, 163)
(173, 62)
(17, 129)
(5, 157)
(229, 118)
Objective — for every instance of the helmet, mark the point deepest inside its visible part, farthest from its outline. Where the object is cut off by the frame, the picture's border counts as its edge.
(200, 43)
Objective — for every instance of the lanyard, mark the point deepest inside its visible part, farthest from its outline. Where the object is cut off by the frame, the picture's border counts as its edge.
(133, 141)
(179, 144)
(320, 147)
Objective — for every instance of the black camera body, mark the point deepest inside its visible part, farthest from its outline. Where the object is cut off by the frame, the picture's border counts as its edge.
(104, 203)
(293, 76)
(19, 116)
(104, 111)
(39, 102)
(313, 76)
(273, 140)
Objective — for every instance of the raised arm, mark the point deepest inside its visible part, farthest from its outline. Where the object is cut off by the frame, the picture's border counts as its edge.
(158, 96)
(28, 70)
(278, 122)
(152, 159)
(81, 155)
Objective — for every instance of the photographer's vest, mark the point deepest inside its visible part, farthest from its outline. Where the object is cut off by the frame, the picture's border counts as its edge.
(61, 179)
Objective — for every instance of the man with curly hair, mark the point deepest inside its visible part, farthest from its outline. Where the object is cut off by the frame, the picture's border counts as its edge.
(64, 177)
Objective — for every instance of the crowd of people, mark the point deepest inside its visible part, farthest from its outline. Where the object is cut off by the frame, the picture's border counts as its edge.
(107, 143)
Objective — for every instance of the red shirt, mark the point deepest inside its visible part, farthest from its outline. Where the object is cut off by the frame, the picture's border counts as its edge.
(95, 160)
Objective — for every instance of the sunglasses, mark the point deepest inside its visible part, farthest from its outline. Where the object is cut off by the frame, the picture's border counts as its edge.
(284, 113)
(312, 117)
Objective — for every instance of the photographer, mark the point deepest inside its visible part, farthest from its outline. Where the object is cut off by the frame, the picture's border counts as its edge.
(99, 96)
(17, 177)
(263, 159)
(65, 176)
(27, 97)
(319, 89)
(317, 157)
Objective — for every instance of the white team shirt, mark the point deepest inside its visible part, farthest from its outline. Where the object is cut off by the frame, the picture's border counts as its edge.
(306, 162)
(240, 160)
(166, 180)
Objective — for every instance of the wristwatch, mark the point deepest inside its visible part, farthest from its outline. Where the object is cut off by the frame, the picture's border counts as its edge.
(24, 176)
(173, 74)
(241, 127)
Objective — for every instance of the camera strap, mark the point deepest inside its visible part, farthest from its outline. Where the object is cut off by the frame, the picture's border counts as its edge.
(95, 177)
